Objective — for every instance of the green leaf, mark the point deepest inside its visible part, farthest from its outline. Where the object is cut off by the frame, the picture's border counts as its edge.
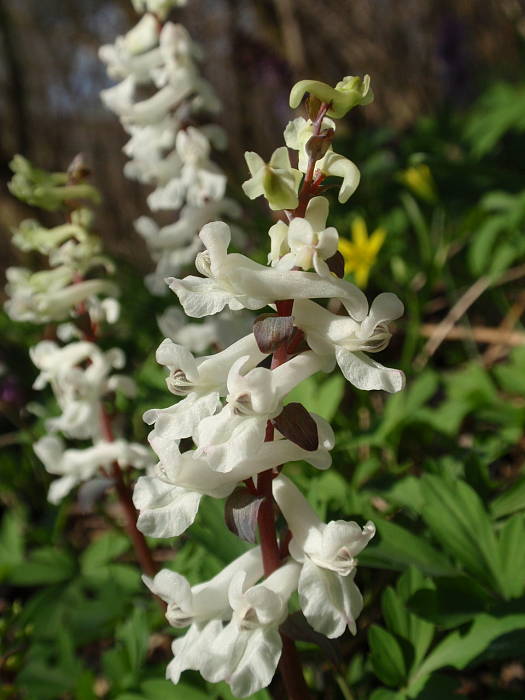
(396, 548)
(11, 542)
(210, 531)
(134, 634)
(103, 550)
(458, 649)
(512, 552)
(221, 691)
(44, 566)
(453, 602)
(386, 656)
(406, 492)
(165, 690)
(479, 253)
(96, 564)
(510, 501)
(385, 694)
(405, 405)
(401, 620)
(322, 398)
(456, 517)
(84, 687)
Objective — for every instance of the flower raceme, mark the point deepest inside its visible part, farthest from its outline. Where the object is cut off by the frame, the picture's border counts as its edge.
(163, 102)
(234, 407)
(79, 375)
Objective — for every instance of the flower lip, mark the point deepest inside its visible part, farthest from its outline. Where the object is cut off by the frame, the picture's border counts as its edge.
(242, 404)
(203, 263)
(178, 383)
(178, 617)
(343, 563)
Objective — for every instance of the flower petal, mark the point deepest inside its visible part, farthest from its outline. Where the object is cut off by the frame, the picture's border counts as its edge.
(165, 510)
(329, 602)
(367, 374)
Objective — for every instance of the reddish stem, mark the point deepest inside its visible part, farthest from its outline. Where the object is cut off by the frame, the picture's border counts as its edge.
(142, 551)
(292, 671)
(310, 186)
(272, 555)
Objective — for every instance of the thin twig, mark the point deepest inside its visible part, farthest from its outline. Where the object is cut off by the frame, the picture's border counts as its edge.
(480, 334)
(497, 350)
(444, 328)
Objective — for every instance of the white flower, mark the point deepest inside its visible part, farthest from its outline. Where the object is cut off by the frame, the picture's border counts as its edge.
(276, 180)
(307, 239)
(121, 63)
(235, 280)
(198, 180)
(206, 601)
(143, 36)
(346, 339)
(79, 375)
(168, 502)
(160, 8)
(201, 380)
(48, 295)
(246, 652)
(253, 398)
(75, 466)
(328, 595)
(297, 134)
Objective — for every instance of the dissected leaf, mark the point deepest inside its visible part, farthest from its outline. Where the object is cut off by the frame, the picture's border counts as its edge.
(386, 656)
(510, 501)
(44, 566)
(455, 515)
(396, 548)
(458, 649)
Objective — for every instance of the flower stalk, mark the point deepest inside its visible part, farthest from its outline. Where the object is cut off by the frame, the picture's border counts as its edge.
(234, 408)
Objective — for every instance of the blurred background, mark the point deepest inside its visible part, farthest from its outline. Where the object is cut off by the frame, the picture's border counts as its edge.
(425, 57)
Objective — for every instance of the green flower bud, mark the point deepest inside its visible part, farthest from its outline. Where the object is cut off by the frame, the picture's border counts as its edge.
(276, 180)
(349, 92)
(46, 190)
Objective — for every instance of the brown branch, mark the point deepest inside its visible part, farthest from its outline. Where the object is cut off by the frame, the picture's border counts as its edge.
(443, 329)
(497, 350)
(480, 334)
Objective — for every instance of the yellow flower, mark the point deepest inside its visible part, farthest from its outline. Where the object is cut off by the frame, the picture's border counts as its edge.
(361, 252)
(418, 178)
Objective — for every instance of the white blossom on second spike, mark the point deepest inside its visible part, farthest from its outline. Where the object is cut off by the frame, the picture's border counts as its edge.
(328, 595)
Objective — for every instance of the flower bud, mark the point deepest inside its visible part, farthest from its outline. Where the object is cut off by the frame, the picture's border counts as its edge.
(349, 92)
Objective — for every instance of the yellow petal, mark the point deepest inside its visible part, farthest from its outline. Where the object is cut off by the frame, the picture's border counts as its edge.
(359, 231)
(376, 240)
(361, 276)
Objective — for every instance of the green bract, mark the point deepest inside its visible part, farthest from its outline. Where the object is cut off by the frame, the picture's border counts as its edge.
(276, 180)
(45, 190)
(349, 92)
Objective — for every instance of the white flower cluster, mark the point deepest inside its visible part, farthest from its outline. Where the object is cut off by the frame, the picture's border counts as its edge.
(79, 373)
(161, 99)
(233, 406)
